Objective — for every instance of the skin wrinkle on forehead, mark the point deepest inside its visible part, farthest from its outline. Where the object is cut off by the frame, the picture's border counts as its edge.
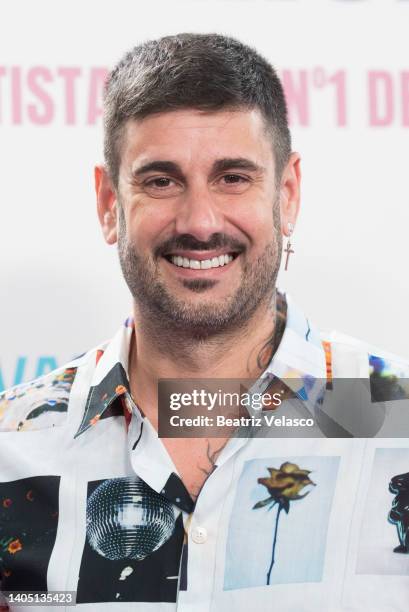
(170, 122)
(203, 113)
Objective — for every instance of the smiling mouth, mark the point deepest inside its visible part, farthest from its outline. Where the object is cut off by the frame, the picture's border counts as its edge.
(201, 264)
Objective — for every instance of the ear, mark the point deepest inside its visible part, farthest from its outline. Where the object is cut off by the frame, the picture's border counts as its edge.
(290, 192)
(106, 204)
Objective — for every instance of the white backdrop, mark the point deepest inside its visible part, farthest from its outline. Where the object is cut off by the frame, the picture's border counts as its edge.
(346, 70)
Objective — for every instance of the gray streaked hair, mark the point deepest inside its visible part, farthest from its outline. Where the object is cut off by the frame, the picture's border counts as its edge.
(202, 71)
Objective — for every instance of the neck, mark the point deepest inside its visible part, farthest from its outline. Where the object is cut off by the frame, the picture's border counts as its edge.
(167, 353)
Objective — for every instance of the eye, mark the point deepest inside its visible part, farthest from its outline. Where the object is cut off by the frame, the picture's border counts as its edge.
(233, 178)
(162, 186)
(159, 182)
(233, 183)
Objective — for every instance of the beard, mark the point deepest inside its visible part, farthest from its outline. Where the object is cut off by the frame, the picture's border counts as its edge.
(165, 312)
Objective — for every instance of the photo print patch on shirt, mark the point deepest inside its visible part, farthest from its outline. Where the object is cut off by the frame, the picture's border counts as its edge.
(278, 527)
(389, 380)
(28, 529)
(133, 545)
(384, 528)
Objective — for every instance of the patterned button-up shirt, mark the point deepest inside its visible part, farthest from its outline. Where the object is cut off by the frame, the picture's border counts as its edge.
(91, 502)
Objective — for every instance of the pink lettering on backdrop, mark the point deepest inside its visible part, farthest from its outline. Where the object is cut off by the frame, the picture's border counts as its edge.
(16, 94)
(296, 94)
(2, 73)
(405, 98)
(72, 95)
(97, 80)
(380, 89)
(339, 81)
(69, 75)
(301, 86)
(44, 113)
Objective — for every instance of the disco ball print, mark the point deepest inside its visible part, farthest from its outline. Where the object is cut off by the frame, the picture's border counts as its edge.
(133, 544)
(126, 519)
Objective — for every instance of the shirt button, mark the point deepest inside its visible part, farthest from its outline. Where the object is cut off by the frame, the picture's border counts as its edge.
(199, 535)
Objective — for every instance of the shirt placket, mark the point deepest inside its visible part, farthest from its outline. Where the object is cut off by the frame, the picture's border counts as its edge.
(151, 462)
(203, 533)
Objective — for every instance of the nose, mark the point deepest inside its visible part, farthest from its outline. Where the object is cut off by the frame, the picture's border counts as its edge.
(199, 213)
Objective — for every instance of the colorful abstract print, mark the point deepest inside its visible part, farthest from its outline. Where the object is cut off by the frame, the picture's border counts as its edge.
(389, 380)
(28, 528)
(39, 404)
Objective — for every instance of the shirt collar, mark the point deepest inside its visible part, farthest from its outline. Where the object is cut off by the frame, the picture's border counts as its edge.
(300, 356)
(300, 352)
(110, 380)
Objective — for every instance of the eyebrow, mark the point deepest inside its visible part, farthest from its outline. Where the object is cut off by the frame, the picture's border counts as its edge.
(220, 165)
(241, 163)
(168, 167)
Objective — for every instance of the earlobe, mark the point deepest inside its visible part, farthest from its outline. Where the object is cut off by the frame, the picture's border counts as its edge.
(290, 193)
(106, 204)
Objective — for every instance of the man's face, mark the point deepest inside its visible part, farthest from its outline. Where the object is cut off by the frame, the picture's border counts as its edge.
(199, 225)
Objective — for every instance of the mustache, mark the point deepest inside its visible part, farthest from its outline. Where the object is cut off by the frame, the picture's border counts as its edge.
(190, 243)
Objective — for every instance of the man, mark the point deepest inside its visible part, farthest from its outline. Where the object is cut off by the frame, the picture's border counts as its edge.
(198, 189)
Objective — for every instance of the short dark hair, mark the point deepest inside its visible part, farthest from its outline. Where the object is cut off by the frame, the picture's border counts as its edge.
(201, 71)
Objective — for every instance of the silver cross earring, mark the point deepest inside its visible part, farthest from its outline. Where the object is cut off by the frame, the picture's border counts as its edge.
(288, 248)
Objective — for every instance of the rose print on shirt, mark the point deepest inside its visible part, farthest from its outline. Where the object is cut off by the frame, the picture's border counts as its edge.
(283, 485)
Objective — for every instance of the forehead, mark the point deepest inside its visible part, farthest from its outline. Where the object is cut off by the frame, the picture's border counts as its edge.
(191, 136)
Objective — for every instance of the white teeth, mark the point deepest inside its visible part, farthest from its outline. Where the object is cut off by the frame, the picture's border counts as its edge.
(204, 264)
